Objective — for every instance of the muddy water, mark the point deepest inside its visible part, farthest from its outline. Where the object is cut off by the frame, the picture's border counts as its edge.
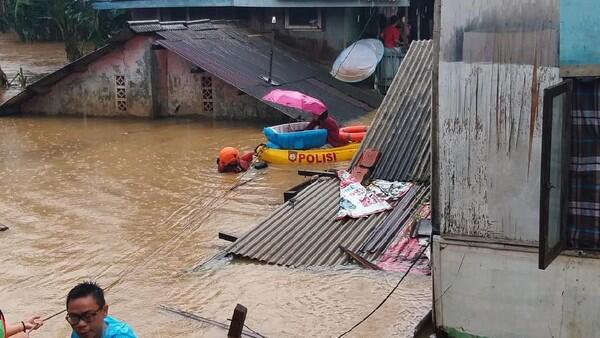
(136, 204)
(36, 59)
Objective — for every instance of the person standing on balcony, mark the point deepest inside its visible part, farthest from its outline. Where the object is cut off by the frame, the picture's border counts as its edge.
(391, 34)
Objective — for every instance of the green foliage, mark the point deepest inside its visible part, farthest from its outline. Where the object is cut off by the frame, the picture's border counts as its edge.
(7, 15)
(73, 21)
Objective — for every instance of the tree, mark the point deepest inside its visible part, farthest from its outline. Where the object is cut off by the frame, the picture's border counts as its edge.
(77, 22)
(6, 15)
(73, 21)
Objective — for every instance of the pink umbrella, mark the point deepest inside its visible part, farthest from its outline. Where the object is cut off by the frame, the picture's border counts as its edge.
(297, 100)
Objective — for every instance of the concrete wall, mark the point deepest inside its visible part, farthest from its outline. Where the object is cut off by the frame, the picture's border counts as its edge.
(499, 292)
(340, 28)
(495, 61)
(94, 91)
(186, 95)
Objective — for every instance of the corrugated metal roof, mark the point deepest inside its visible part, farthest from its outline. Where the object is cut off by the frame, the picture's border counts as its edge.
(386, 231)
(149, 26)
(304, 232)
(401, 128)
(145, 26)
(240, 59)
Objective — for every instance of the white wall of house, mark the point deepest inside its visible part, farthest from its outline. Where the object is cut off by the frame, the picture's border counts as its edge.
(498, 291)
(496, 58)
(495, 61)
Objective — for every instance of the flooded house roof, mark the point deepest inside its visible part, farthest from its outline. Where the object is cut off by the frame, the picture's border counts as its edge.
(128, 4)
(239, 58)
(303, 231)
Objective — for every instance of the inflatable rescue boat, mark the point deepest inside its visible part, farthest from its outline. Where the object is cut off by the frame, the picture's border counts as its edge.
(308, 156)
(291, 144)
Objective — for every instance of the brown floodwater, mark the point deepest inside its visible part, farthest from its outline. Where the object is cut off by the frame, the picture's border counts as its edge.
(137, 204)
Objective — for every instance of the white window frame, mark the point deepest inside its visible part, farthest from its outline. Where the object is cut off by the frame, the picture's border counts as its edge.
(318, 27)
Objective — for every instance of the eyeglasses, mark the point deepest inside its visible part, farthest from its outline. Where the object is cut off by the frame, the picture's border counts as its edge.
(87, 317)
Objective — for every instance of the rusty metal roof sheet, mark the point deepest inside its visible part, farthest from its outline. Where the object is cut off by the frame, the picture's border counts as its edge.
(241, 59)
(401, 128)
(304, 232)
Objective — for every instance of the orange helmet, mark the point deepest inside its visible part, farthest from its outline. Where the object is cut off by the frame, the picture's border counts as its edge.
(228, 155)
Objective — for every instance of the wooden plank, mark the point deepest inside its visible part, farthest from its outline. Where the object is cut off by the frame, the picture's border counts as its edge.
(359, 259)
(237, 321)
(288, 195)
(579, 70)
(227, 237)
(318, 173)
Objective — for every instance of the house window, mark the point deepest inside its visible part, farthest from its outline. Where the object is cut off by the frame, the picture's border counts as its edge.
(570, 178)
(303, 18)
(120, 93)
(207, 94)
(554, 177)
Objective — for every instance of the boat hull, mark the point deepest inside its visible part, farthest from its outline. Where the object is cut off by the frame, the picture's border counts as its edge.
(309, 156)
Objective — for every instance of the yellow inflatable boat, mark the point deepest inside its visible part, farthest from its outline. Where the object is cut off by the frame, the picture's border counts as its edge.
(308, 156)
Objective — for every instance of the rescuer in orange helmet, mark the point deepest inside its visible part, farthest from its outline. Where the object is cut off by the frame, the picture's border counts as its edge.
(229, 160)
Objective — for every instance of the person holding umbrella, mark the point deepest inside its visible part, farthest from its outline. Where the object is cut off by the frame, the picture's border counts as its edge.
(324, 121)
(308, 104)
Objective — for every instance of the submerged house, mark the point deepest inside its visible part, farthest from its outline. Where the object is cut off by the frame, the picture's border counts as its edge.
(515, 183)
(321, 28)
(191, 68)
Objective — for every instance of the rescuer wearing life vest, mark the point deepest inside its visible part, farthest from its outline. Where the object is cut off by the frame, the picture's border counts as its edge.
(229, 160)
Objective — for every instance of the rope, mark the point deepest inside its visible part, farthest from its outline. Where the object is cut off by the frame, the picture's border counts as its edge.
(389, 294)
(128, 270)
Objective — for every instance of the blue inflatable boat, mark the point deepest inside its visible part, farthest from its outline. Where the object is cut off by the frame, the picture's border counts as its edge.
(293, 136)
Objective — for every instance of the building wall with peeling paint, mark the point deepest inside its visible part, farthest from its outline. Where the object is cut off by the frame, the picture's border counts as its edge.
(496, 57)
(94, 91)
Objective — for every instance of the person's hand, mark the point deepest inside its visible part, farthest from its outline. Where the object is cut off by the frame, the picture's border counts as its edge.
(33, 323)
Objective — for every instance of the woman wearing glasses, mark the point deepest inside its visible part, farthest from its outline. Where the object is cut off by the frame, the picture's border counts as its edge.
(19, 329)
